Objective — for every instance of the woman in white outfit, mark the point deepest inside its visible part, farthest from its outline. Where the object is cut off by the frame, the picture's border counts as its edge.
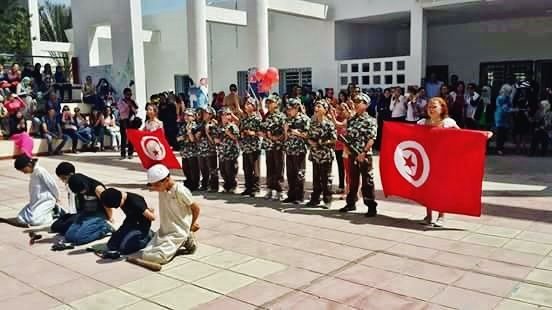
(43, 192)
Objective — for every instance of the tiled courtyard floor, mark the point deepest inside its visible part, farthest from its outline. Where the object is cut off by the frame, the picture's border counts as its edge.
(259, 254)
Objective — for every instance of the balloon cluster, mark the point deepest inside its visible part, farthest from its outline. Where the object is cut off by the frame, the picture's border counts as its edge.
(266, 79)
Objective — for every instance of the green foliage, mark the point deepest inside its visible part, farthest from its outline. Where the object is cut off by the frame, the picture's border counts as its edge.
(54, 20)
(15, 36)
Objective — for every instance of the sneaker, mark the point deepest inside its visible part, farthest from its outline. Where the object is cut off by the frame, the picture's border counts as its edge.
(288, 200)
(246, 193)
(298, 202)
(123, 157)
(440, 222)
(129, 157)
(348, 208)
(278, 196)
(426, 221)
(328, 205)
(312, 203)
(268, 194)
(371, 212)
(191, 244)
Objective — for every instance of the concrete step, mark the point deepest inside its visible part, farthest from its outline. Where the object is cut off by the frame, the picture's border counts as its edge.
(8, 150)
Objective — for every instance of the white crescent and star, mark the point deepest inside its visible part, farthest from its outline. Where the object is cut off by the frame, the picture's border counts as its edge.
(153, 148)
(412, 162)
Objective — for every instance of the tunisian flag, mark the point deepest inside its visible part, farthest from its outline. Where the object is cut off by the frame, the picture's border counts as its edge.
(152, 148)
(439, 168)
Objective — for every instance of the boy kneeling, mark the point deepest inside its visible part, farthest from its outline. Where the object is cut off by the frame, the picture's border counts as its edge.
(178, 214)
(134, 233)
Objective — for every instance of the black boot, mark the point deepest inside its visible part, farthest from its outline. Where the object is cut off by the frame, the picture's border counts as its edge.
(348, 208)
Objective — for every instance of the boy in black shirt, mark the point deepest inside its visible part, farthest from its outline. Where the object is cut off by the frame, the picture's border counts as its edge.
(134, 233)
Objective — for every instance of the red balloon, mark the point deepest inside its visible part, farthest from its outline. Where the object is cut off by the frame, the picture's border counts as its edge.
(260, 75)
(272, 73)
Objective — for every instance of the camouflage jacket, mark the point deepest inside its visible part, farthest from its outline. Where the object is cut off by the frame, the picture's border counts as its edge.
(274, 125)
(188, 148)
(324, 135)
(230, 149)
(206, 147)
(250, 144)
(295, 145)
(360, 129)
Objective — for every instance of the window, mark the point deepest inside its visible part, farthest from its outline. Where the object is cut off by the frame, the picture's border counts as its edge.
(388, 79)
(344, 68)
(388, 66)
(400, 79)
(294, 76)
(377, 79)
(366, 80)
(354, 80)
(182, 83)
(377, 66)
(401, 65)
(366, 67)
(100, 51)
(354, 68)
(344, 80)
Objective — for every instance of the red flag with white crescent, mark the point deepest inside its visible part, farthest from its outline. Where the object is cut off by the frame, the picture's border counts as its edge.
(152, 148)
(439, 168)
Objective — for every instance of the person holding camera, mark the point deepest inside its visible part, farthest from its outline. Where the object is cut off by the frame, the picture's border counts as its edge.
(127, 119)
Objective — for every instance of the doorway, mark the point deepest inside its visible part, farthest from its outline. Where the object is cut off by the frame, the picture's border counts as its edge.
(543, 75)
(442, 73)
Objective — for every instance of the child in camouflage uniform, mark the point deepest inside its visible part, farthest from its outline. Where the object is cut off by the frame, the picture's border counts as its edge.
(230, 151)
(208, 151)
(251, 147)
(322, 137)
(296, 130)
(273, 127)
(189, 150)
(361, 131)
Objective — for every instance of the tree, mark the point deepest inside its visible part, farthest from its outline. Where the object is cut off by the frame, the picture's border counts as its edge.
(15, 37)
(54, 20)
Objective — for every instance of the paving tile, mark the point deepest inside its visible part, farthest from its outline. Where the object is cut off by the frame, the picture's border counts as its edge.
(386, 261)
(533, 294)
(378, 299)
(110, 299)
(546, 263)
(185, 297)
(225, 303)
(365, 275)
(123, 274)
(541, 276)
(529, 247)
(471, 249)
(372, 244)
(151, 285)
(413, 287)
(224, 282)
(432, 272)
(12, 287)
(412, 251)
(456, 260)
(144, 305)
(429, 242)
(498, 231)
(345, 252)
(485, 240)
(535, 237)
(258, 268)
(61, 307)
(76, 289)
(516, 257)
(341, 291)
(306, 260)
(486, 284)
(502, 269)
(31, 301)
(191, 271)
(259, 293)
(293, 277)
(464, 299)
(508, 304)
(204, 250)
(41, 273)
(305, 302)
(226, 259)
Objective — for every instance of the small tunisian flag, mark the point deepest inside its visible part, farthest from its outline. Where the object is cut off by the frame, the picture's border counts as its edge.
(439, 168)
(152, 148)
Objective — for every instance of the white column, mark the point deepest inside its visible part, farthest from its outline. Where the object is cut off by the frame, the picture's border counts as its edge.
(258, 20)
(197, 39)
(416, 65)
(32, 6)
(137, 44)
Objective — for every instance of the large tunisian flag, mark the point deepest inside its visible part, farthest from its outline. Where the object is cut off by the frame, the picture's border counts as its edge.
(439, 168)
(152, 148)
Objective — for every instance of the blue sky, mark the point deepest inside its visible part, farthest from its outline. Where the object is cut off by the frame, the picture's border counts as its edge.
(149, 7)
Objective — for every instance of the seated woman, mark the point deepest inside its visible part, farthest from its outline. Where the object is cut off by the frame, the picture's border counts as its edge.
(43, 193)
(135, 232)
(112, 128)
(91, 222)
(19, 134)
(69, 127)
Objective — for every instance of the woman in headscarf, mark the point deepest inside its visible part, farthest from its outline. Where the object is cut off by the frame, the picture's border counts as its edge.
(91, 222)
(43, 194)
(502, 117)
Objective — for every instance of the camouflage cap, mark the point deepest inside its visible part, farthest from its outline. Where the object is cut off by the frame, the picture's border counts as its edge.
(323, 103)
(208, 109)
(190, 112)
(293, 103)
(227, 110)
(274, 98)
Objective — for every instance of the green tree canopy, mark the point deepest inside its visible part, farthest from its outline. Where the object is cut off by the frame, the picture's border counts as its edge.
(15, 36)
